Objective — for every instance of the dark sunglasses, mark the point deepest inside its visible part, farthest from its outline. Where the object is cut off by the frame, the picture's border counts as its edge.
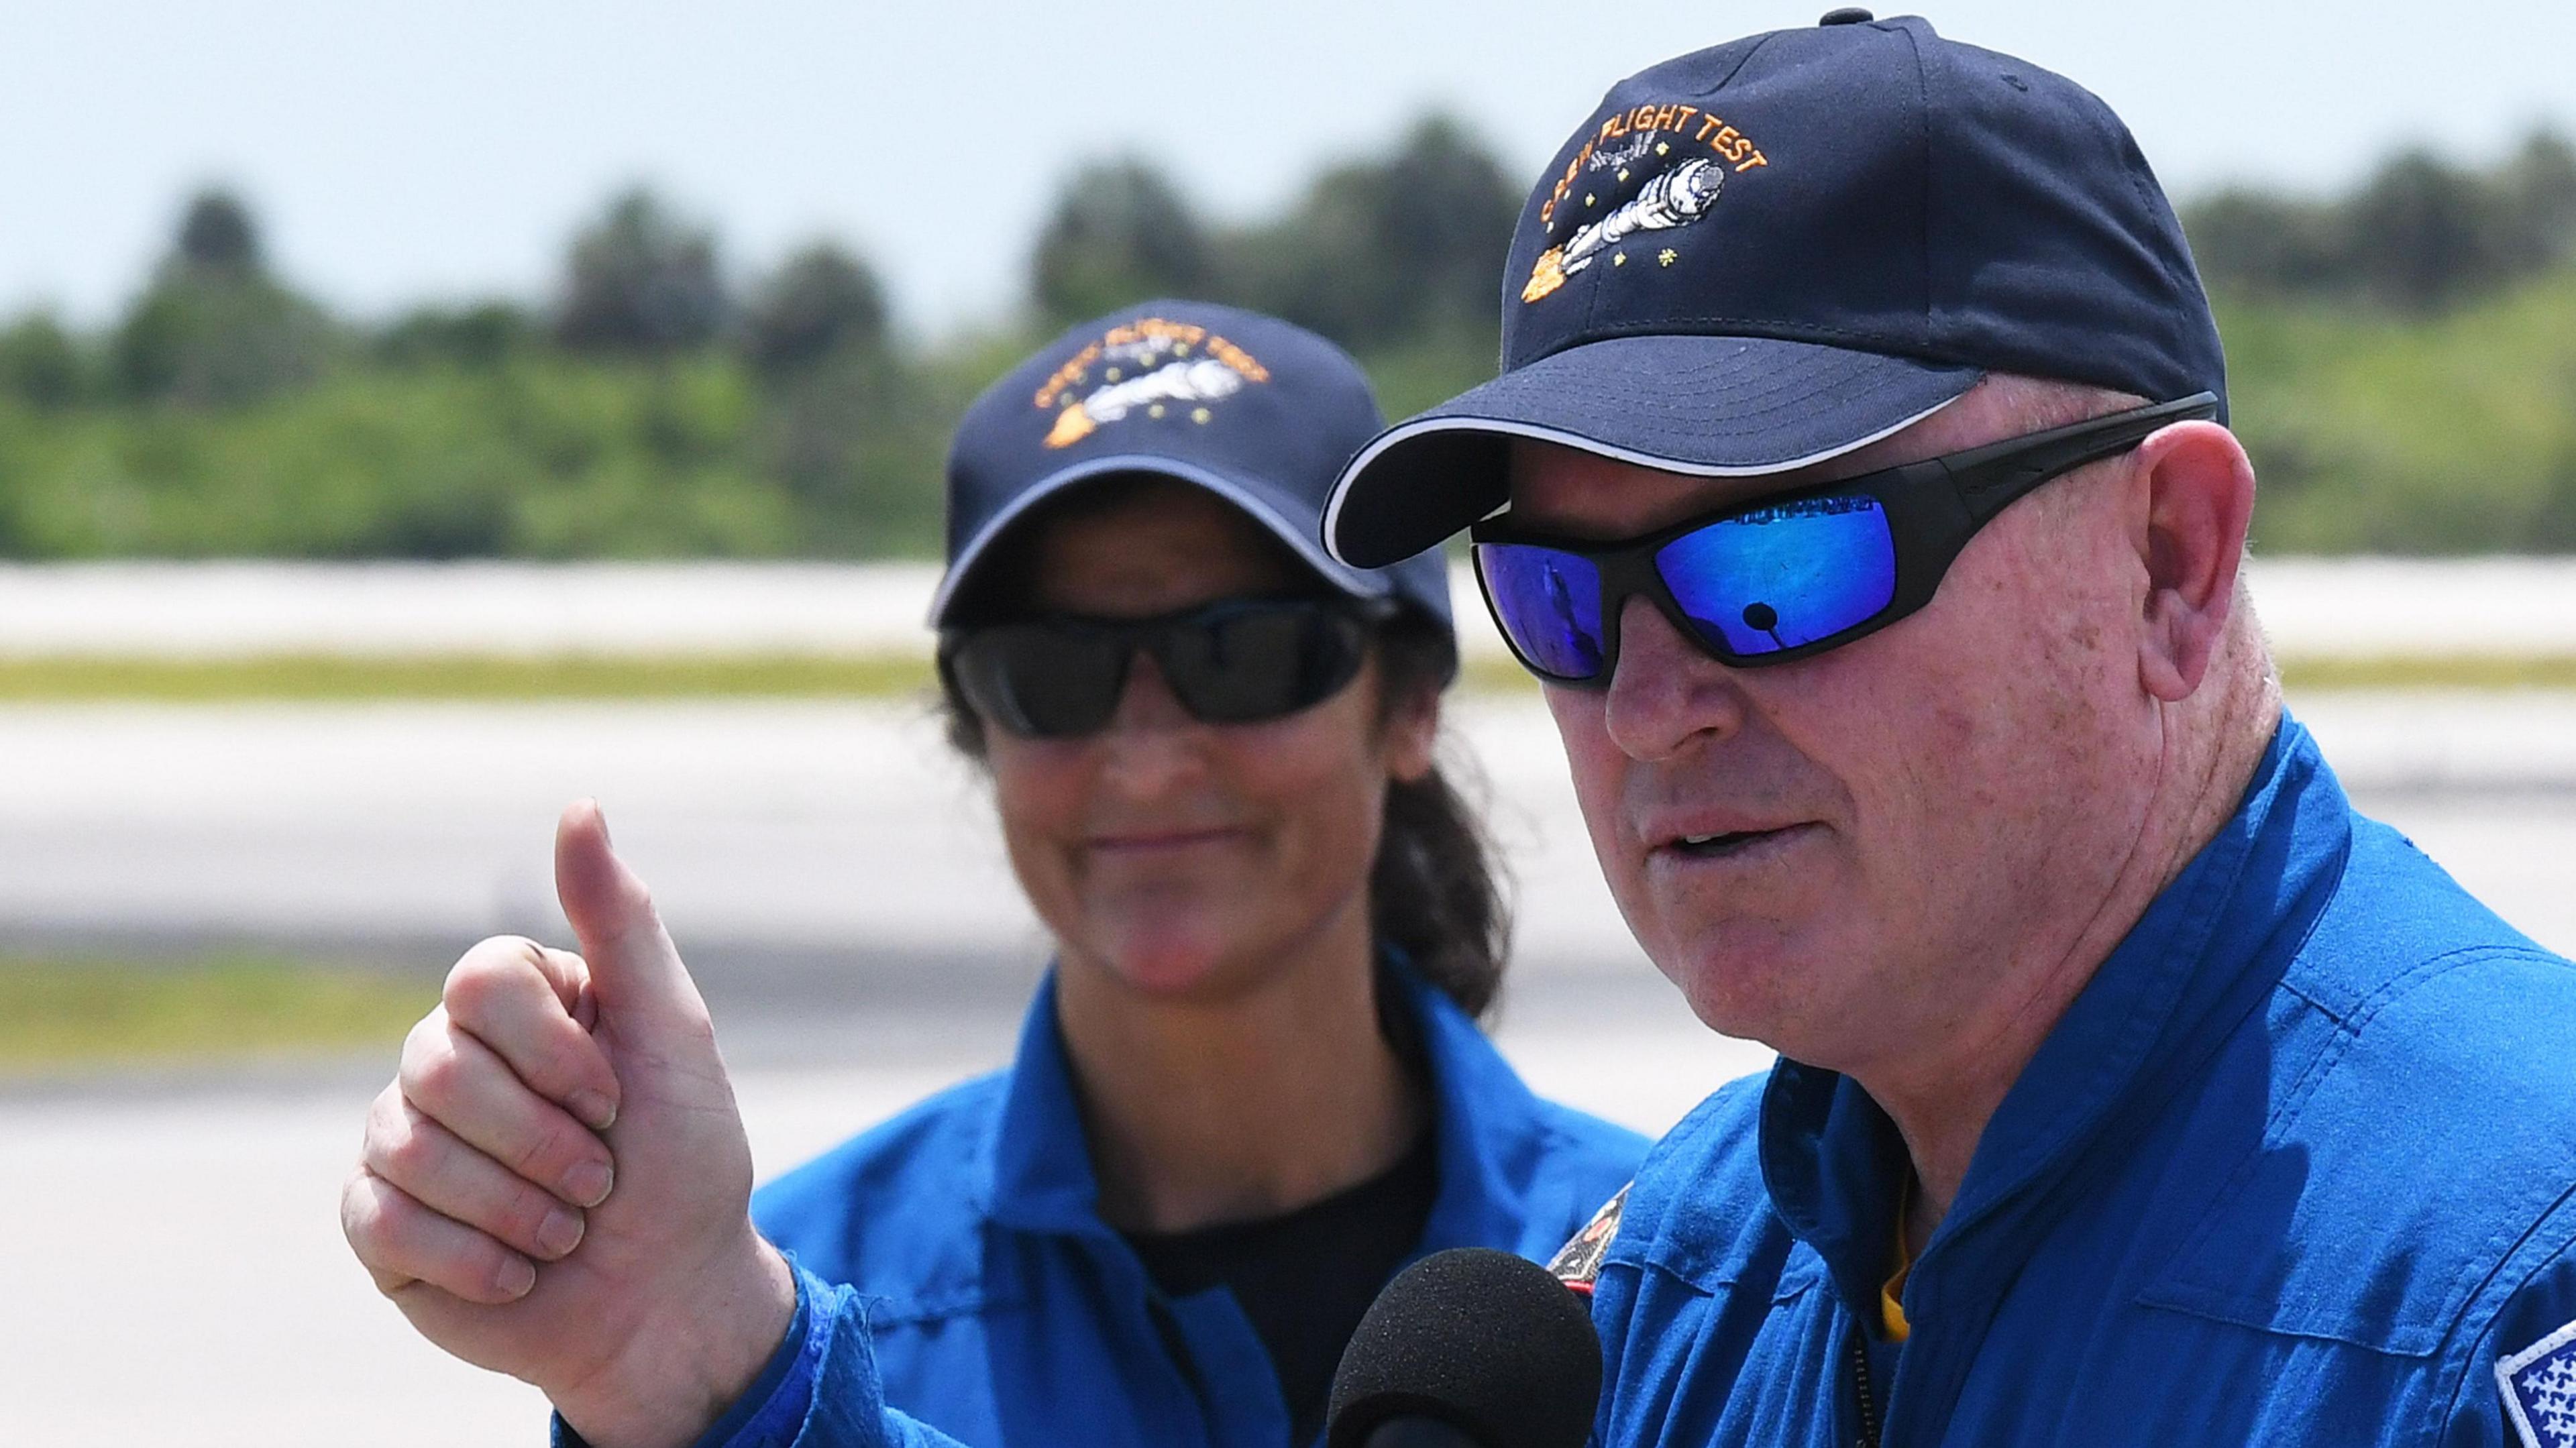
(1236, 661)
(1790, 576)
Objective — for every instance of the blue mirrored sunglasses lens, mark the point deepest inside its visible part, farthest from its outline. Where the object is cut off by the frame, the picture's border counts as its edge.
(1548, 602)
(1776, 578)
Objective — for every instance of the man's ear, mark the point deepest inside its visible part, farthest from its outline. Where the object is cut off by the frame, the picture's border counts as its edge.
(2190, 534)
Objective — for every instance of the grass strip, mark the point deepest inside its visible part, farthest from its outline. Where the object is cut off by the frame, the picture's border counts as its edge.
(2452, 671)
(337, 677)
(66, 1012)
(325, 678)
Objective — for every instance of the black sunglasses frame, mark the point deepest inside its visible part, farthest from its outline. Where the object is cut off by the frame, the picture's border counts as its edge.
(1350, 621)
(1933, 507)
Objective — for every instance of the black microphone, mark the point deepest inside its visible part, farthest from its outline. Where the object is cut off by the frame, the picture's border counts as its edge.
(1469, 1348)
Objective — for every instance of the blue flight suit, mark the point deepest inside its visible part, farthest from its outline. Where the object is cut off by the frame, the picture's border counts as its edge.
(2298, 1166)
(993, 1303)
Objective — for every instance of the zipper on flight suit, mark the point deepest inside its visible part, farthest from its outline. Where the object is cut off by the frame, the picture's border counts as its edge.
(1862, 1395)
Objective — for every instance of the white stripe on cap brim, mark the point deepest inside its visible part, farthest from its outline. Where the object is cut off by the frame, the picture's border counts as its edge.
(1421, 427)
(1358, 582)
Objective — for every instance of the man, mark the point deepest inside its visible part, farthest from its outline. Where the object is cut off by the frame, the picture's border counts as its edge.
(1867, 506)
(2133, 1089)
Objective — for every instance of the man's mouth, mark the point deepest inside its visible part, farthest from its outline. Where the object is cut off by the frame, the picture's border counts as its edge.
(1730, 842)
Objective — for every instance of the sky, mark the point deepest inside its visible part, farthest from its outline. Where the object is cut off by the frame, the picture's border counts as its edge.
(400, 151)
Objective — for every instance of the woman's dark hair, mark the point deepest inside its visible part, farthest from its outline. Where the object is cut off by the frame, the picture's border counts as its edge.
(1434, 890)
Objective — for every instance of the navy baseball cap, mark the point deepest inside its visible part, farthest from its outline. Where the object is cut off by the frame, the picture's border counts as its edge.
(1771, 252)
(1255, 410)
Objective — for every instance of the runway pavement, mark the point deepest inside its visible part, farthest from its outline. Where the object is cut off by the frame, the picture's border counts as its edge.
(781, 838)
(819, 847)
(170, 1265)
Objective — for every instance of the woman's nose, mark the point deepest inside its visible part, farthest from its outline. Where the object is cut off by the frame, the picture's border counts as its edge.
(1151, 739)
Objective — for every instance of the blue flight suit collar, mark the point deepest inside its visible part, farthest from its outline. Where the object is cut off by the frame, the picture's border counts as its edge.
(2206, 953)
(1036, 1173)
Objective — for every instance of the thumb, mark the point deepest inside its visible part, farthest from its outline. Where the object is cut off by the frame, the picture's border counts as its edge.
(633, 965)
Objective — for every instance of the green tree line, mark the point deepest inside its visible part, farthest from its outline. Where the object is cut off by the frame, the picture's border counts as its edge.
(2403, 360)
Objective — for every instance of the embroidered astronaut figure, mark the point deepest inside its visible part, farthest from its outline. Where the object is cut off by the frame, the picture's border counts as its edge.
(1199, 379)
(1622, 156)
(1678, 197)
(2539, 1386)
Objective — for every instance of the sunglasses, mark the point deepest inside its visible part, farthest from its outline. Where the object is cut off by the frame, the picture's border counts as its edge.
(1236, 661)
(1790, 576)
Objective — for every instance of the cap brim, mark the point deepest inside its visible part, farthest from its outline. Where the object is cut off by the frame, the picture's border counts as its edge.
(1253, 498)
(1710, 406)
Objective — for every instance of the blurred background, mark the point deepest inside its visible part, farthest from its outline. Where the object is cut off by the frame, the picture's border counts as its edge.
(413, 417)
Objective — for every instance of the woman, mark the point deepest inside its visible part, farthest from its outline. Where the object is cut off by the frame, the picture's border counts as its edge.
(1251, 1088)
(1249, 1091)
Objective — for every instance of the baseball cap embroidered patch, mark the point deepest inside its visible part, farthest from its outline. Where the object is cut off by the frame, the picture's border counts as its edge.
(1150, 366)
(1771, 252)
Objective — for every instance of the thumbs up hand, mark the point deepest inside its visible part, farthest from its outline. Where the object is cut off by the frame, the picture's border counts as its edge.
(557, 1185)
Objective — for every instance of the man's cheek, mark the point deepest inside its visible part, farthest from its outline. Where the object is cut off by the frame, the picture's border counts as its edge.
(1595, 764)
(1599, 774)
(1613, 845)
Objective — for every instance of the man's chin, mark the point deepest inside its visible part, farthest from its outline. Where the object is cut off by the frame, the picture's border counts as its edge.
(1751, 988)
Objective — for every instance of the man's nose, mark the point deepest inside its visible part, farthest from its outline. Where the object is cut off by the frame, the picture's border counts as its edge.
(1666, 693)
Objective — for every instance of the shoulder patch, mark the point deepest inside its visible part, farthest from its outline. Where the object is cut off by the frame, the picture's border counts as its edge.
(1577, 1264)
(2539, 1385)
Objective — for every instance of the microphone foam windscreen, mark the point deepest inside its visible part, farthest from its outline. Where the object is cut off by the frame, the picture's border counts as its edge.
(1487, 1342)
